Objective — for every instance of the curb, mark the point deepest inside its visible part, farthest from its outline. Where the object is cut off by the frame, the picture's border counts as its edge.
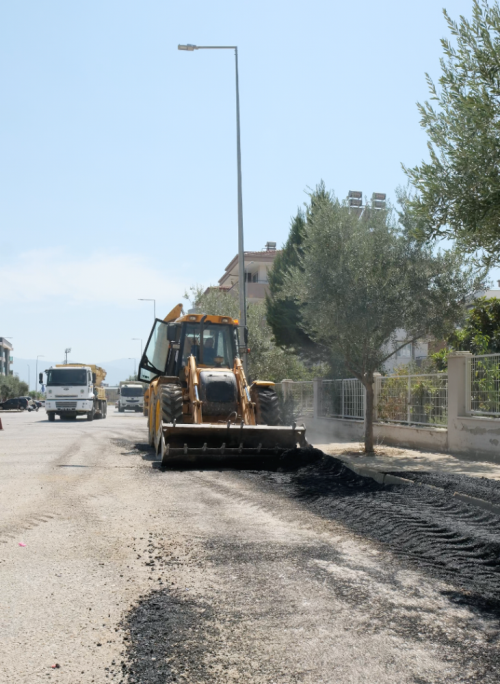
(479, 503)
(378, 475)
(387, 479)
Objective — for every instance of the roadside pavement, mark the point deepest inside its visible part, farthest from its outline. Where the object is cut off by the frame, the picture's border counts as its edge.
(389, 458)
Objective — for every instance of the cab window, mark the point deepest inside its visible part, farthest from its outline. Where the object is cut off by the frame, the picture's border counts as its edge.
(215, 349)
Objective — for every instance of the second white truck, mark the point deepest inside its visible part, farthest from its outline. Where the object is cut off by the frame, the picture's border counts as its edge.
(131, 397)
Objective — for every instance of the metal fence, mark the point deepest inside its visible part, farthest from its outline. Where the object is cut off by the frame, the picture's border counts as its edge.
(408, 399)
(485, 384)
(412, 399)
(342, 399)
(296, 400)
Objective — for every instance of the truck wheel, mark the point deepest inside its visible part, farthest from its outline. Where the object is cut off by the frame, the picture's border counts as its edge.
(267, 405)
(51, 416)
(171, 403)
(90, 415)
(121, 410)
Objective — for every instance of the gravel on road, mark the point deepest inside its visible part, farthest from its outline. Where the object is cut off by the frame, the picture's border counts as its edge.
(309, 574)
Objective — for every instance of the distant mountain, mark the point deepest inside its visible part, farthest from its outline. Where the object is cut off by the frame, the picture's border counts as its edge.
(116, 371)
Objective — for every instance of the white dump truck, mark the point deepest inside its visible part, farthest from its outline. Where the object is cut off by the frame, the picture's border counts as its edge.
(75, 390)
(130, 397)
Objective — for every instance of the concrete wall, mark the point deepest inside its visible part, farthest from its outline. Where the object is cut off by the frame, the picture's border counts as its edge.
(434, 439)
(475, 435)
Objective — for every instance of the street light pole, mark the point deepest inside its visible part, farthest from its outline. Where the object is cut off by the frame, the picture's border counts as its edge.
(130, 358)
(154, 305)
(138, 339)
(241, 253)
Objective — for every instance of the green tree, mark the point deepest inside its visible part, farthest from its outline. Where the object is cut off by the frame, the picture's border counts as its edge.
(480, 333)
(362, 278)
(266, 361)
(283, 312)
(214, 301)
(458, 190)
(11, 386)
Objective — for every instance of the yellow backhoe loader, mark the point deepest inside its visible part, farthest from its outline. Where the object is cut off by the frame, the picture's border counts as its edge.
(200, 405)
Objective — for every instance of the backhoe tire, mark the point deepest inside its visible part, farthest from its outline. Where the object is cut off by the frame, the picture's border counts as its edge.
(171, 403)
(267, 405)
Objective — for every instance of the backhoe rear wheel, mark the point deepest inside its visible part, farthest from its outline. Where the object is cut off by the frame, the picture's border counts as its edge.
(171, 403)
(267, 405)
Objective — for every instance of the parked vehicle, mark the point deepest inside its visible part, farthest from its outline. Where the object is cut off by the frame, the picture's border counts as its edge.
(17, 403)
(32, 404)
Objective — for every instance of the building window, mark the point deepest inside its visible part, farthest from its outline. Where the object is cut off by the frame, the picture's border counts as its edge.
(404, 352)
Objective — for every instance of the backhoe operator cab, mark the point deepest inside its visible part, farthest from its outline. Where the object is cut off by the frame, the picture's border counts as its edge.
(199, 399)
(212, 343)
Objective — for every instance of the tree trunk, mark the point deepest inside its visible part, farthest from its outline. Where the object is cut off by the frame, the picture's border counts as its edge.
(369, 415)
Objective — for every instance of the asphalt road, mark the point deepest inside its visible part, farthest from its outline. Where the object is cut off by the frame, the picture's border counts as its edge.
(130, 574)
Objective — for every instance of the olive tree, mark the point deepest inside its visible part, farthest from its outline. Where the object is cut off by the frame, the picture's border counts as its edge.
(362, 277)
(11, 386)
(458, 188)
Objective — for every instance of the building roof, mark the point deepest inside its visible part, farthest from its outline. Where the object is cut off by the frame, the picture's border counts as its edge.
(4, 342)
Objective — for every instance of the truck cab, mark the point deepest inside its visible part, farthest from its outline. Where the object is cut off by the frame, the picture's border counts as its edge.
(131, 397)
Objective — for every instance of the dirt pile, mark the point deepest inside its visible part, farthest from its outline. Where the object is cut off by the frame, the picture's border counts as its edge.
(436, 531)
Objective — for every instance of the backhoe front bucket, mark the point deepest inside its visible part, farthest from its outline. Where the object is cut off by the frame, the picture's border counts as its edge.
(189, 444)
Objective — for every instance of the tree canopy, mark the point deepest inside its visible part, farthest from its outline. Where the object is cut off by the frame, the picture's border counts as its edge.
(458, 190)
(361, 278)
(480, 333)
(11, 386)
(283, 312)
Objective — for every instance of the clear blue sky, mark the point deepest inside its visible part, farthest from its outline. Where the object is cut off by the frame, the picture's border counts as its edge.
(118, 162)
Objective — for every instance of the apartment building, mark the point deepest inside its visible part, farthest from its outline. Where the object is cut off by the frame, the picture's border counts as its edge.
(257, 265)
(6, 357)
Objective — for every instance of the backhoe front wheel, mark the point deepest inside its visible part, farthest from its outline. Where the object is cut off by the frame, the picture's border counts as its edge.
(171, 403)
(267, 405)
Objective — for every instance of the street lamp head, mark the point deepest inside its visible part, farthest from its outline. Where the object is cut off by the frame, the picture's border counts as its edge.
(187, 47)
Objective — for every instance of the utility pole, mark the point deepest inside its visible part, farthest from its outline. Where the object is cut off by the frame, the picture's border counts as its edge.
(241, 253)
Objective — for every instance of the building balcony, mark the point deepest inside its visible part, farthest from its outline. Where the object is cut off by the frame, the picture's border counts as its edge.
(257, 290)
